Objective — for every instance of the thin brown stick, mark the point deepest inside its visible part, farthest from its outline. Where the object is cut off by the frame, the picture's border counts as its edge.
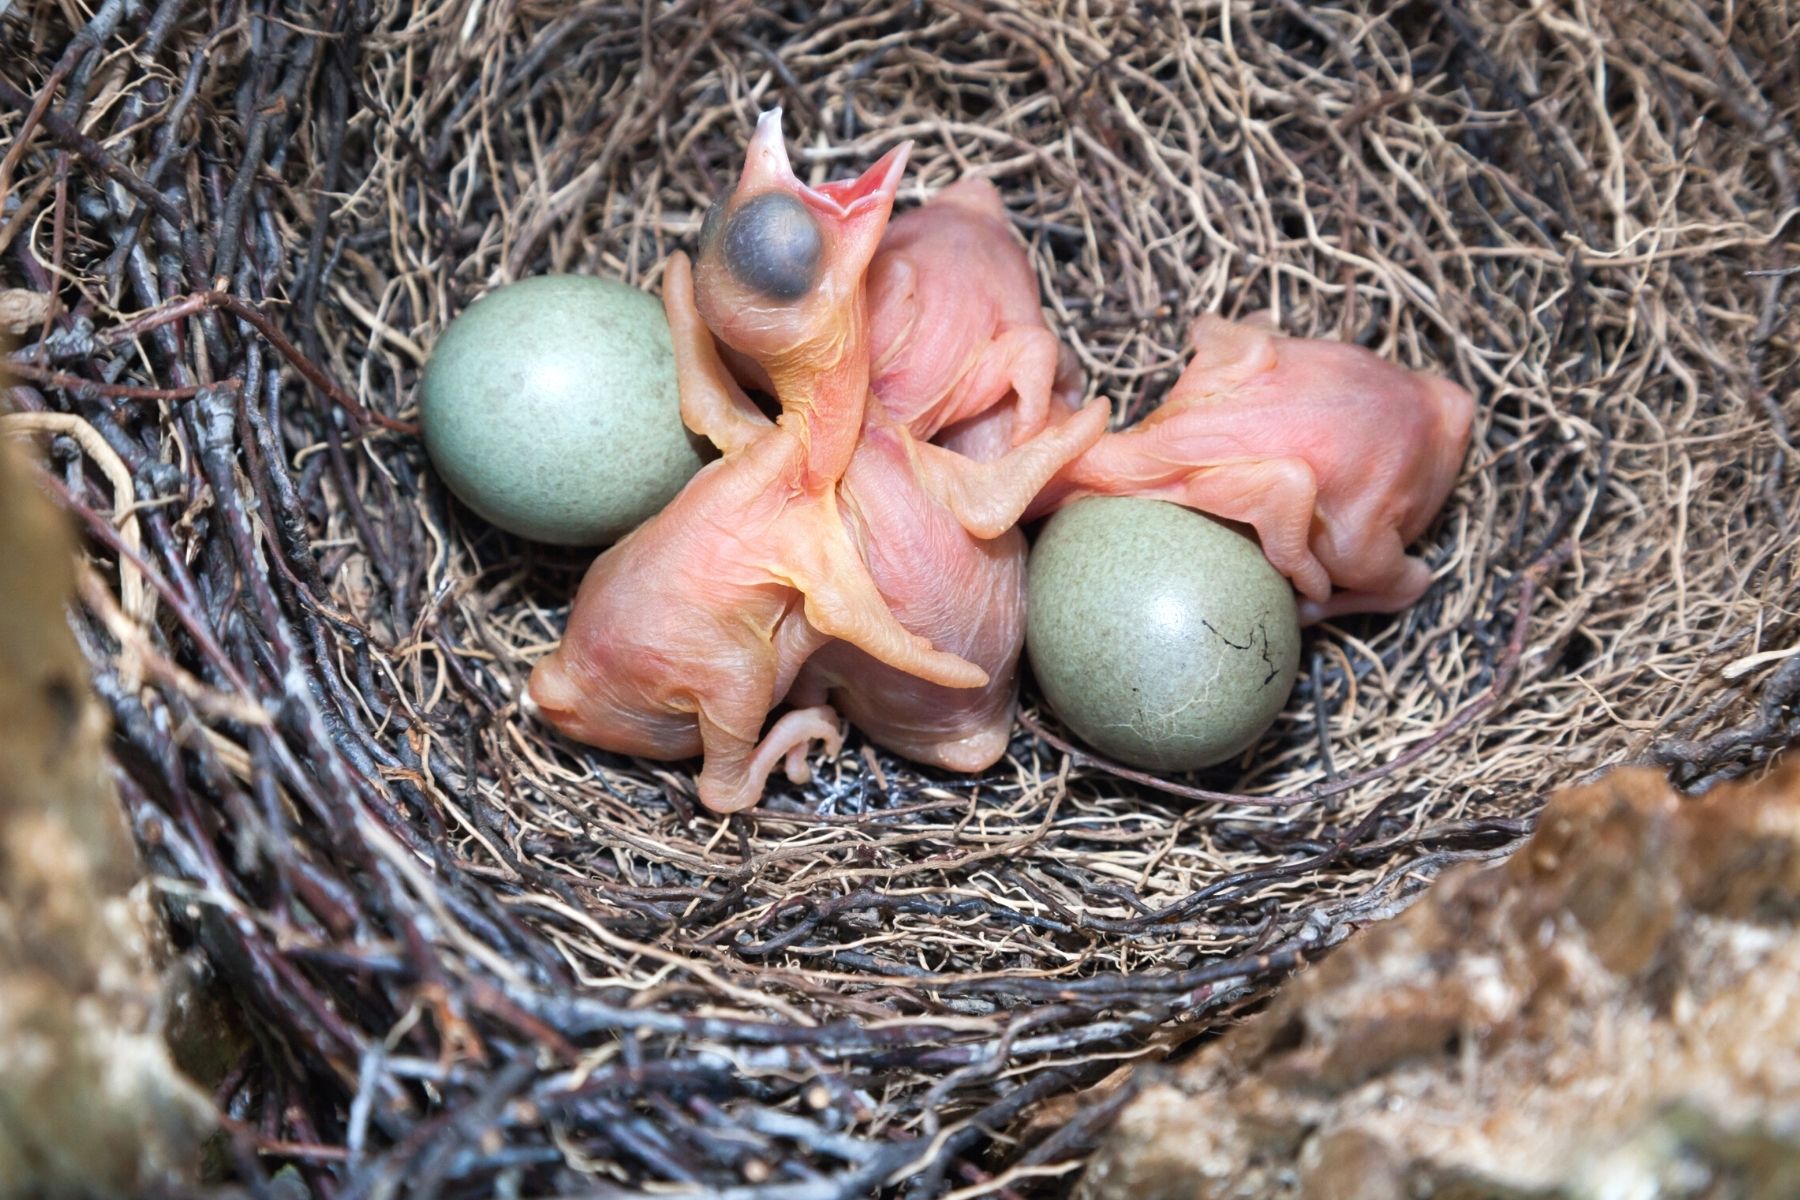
(112, 391)
(217, 298)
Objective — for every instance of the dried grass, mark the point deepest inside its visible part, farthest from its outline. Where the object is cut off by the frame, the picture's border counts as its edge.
(479, 957)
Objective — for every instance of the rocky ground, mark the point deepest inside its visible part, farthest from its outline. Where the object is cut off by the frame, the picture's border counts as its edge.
(1613, 1012)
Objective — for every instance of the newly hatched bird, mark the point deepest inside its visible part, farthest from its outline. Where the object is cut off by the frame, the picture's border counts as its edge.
(1336, 457)
(960, 350)
(688, 632)
(955, 326)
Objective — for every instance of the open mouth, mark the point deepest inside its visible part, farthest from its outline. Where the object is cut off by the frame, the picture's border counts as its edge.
(841, 198)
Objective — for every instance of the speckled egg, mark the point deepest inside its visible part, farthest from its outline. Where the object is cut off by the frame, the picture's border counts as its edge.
(1160, 636)
(550, 408)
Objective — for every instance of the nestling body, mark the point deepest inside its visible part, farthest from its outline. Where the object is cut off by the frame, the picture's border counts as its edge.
(958, 336)
(685, 634)
(961, 588)
(1337, 458)
(955, 325)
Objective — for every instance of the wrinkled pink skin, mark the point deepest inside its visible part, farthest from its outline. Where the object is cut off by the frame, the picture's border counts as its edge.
(1337, 459)
(689, 631)
(956, 329)
(955, 325)
(965, 593)
(952, 574)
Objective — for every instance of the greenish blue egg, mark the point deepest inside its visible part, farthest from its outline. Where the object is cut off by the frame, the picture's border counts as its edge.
(1160, 636)
(550, 408)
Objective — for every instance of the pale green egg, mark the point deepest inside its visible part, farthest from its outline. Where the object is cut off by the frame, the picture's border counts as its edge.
(1163, 638)
(550, 408)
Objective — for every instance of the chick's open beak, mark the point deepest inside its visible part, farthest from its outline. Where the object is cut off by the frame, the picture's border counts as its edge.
(767, 168)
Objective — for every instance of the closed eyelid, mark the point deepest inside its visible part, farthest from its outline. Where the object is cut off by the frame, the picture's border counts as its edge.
(773, 246)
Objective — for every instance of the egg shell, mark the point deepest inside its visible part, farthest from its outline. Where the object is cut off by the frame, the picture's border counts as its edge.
(550, 407)
(1162, 637)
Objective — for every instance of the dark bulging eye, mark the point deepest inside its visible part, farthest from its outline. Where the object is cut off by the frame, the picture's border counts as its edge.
(772, 246)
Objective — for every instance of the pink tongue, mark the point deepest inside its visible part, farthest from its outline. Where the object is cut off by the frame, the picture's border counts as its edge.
(847, 191)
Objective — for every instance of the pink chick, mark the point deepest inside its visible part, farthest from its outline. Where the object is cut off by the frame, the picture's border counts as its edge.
(959, 338)
(938, 530)
(955, 326)
(1337, 458)
(686, 633)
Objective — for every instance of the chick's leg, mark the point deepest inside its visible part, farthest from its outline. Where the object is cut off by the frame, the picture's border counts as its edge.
(795, 642)
(1411, 577)
(1276, 496)
(737, 765)
(817, 557)
(1025, 360)
(1372, 570)
(793, 734)
(810, 691)
(988, 498)
(730, 707)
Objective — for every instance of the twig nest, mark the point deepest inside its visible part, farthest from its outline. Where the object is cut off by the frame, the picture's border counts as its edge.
(1160, 636)
(550, 407)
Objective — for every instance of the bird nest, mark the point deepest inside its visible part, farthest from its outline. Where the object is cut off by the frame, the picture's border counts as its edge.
(472, 958)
